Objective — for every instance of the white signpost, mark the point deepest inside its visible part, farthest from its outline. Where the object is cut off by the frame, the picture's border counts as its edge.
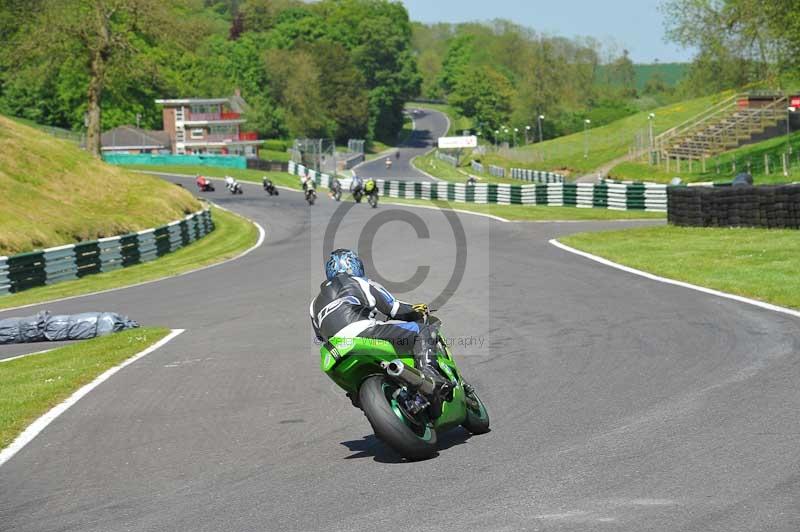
(452, 143)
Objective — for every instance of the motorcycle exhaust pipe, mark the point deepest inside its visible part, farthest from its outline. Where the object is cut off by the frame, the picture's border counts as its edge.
(410, 376)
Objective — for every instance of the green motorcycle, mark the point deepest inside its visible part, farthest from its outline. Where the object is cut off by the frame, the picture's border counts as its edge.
(393, 393)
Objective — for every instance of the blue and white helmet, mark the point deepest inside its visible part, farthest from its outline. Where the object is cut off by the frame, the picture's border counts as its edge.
(344, 261)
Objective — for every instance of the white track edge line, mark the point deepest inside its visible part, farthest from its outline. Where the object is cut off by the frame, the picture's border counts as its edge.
(435, 208)
(27, 355)
(666, 280)
(261, 236)
(42, 422)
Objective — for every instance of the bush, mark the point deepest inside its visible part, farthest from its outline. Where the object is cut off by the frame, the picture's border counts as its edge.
(276, 145)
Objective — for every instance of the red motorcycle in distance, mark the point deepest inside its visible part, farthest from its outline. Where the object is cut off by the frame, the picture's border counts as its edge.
(204, 184)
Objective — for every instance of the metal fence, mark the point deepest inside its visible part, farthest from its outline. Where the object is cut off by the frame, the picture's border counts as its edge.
(73, 261)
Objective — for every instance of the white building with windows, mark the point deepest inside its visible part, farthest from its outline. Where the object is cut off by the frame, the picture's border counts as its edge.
(208, 126)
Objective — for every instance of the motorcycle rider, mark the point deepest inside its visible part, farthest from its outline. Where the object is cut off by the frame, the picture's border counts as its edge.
(267, 183)
(356, 184)
(334, 186)
(346, 307)
(230, 182)
(370, 187)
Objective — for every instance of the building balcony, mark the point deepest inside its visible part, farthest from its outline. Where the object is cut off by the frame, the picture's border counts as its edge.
(199, 118)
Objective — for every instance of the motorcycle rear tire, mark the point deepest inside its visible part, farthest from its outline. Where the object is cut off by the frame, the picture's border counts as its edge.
(389, 423)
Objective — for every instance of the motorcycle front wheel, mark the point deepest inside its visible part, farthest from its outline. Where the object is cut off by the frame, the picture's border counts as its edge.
(412, 437)
(477, 421)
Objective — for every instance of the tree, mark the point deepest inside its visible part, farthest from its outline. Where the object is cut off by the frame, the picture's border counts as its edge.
(624, 74)
(484, 95)
(295, 84)
(103, 35)
(736, 39)
(342, 89)
(456, 60)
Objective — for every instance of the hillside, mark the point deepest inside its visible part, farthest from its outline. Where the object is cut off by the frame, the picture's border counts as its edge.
(605, 144)
(52, 193)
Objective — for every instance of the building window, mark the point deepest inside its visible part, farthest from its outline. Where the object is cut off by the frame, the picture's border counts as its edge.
(179, 114)
(197, 133)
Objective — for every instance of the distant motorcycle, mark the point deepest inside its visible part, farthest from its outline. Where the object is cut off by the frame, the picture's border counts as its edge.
(311, 191)
(233, 186)
(388, 163)
(371, 190)
(335, 189)
(357, 189)
(204, 184)
(269, 186)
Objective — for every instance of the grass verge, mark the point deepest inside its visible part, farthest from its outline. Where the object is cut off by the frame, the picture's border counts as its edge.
(749, 158)
(35, 384)
(231, 236)
(253, 176)
(430, 164)
(605, 143)
(756, 263)
(534, 212)
(53, 193)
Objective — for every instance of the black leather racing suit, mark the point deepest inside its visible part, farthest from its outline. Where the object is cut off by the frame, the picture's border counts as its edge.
(346, 306)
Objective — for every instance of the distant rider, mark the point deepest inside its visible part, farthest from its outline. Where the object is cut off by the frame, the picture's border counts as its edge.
(348, 303)
(356, 184)
(370, 187)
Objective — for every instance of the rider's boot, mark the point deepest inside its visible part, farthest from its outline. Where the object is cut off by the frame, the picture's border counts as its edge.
(425, 359)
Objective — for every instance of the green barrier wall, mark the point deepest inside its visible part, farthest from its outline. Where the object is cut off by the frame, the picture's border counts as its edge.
(224, 161)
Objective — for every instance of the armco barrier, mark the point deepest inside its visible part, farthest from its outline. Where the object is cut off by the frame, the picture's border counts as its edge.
(449, 159)
(536, 176)
(497, 171)
(64, 263)
(735, 206)
(647, 197)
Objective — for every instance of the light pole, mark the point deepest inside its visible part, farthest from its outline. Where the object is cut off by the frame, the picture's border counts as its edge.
(516, 130)
(527, 130)
(496, 137)
(789, 111)
(505, 134)
(539, 119)
(651, 119)
(586, 138)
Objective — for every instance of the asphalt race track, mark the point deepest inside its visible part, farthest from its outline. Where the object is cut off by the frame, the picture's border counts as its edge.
(429, 126)
(617, 403)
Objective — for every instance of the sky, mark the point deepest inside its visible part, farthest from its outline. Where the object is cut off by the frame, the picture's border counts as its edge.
(635, 25)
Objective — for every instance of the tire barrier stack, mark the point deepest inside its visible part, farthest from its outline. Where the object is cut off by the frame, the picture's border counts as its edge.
(476, 166)
(774, 207)
(616, 196)
(536, 176)
(73, 261)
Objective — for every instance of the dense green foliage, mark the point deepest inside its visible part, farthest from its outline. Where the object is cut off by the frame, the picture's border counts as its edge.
(341, 68)
(740, 42)
(501, 75)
